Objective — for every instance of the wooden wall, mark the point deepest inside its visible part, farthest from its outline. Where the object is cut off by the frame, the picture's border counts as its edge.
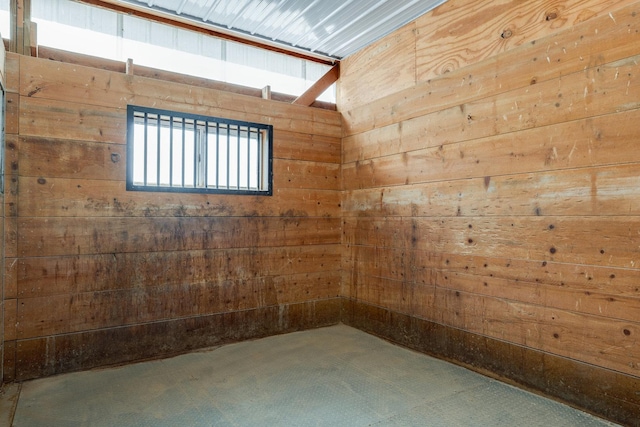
(3, 81)
(97, 275)
(492, 192)
(483, 202)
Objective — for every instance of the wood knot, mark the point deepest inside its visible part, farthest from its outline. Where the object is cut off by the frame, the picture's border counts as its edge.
(115, 157)
(42, 181)
(506, 33)
(551, 16)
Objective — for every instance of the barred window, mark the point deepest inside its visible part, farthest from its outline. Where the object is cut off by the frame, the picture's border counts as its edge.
(180, 152)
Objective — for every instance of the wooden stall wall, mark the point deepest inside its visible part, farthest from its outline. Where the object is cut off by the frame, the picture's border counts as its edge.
(492, 193)
(3, 80)
(10, 211)
(99, 275)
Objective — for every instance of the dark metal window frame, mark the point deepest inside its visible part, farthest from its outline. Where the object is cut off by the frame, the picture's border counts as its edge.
(133, 111)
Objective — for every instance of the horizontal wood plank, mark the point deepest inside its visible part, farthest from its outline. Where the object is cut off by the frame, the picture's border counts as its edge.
(93, 88)
(79, 236)
(596, 91)
(98, 198)
(304, 146)
(599, 341)
(597, 41)
(53, 315)
(382, 68)
(605, 140)
(610, 342)
(306, 175)
(66, 120)
(598, 191)
(62, 275)
(374, 267)
(60, 158)
(423, 267)
(450, 38)
(602, 303)
(67, 57)
(89, 349)
(601, 241)
(46, 157)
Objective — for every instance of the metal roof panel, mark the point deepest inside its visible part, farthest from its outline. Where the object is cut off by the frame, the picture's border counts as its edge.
(332, 28)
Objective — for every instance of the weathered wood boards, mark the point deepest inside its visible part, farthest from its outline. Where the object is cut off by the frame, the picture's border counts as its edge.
(74, 95)
(41, 277)
(605, 392)
(60, 314)
(490, 185)
(71, 352)
(155, 73)
(598, 40)
(10, 311)
(601, 191)
(8, 303)
(495, 191)
(88, 258)
(70, 236)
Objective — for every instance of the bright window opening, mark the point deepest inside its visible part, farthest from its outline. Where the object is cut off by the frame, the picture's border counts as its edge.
(170, 151)
(4, 19)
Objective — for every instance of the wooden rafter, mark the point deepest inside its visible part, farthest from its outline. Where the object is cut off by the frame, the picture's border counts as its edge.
(319, 87)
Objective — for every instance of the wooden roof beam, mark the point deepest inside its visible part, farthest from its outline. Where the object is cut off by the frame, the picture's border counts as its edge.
(319, 87)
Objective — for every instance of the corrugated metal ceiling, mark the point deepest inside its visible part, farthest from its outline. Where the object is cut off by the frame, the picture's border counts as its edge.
(330, 28)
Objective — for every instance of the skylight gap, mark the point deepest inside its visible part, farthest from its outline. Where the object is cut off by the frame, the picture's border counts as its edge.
(81, 28)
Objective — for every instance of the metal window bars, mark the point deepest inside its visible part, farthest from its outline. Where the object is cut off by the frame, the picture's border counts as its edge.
(172, 151)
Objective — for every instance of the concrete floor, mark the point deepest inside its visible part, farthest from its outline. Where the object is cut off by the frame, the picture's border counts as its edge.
(336, 376)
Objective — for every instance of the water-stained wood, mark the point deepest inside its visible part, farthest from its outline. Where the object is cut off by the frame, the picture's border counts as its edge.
(491, 199)
(92, 264)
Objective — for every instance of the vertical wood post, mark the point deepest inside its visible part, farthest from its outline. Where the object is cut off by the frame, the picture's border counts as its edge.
(266, 92)
(129, 67)
(33, 40)
(20, 17)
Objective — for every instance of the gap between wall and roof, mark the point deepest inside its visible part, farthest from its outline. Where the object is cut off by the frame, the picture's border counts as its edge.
(24, 34)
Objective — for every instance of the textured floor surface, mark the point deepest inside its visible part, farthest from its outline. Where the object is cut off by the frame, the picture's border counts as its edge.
(336, 376)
